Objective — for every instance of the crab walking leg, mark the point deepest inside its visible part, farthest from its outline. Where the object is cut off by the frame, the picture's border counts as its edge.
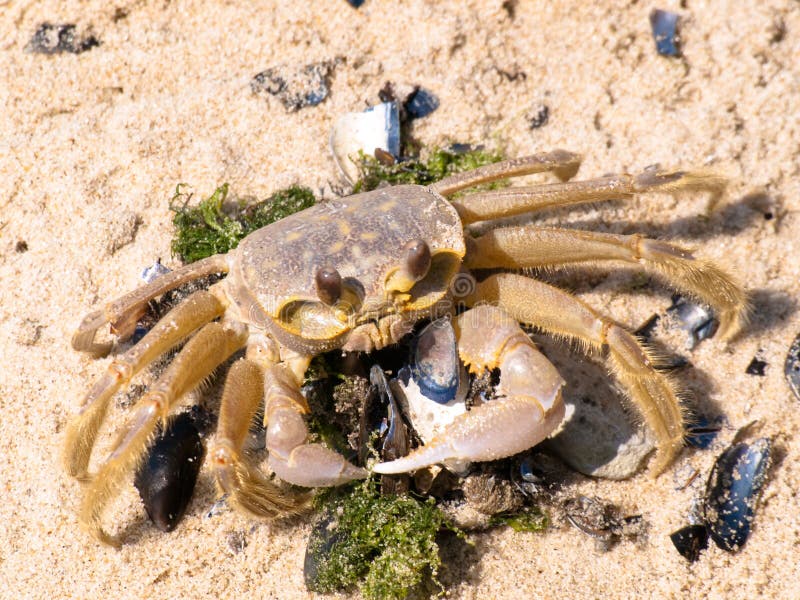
(124, 312)
(246, 486)
(290, 457)
(557, 312)
(198, 309)
(212, 345)
(528, 411)
(519, 247)
(564, 164)
(495, 204)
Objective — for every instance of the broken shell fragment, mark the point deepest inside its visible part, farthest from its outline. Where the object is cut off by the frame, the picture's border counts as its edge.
(665, 32)
(697, 320)
(690, 541)
(733, 490)
(377, 127)
(381, 415)
(168, 475)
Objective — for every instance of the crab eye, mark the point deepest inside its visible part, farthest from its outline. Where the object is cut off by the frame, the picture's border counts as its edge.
(417, 256)
(414, 266)
(329, 285)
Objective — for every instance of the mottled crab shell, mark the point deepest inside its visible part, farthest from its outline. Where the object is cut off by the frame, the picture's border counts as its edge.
(272, 275)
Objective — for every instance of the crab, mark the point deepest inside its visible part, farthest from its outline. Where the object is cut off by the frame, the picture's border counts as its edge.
(357, 274)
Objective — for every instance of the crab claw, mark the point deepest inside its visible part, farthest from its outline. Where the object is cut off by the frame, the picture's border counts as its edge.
(529, 407)
(290, 457)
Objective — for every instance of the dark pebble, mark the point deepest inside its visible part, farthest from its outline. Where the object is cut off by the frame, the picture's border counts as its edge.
(792, 367)
(167, 478)
(690, 541)
(756, 367)
(665, 32)
(733, 490)
(56, 39)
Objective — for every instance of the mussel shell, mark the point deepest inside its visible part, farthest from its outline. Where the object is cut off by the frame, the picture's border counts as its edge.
(435, 365)
(792, 367)
(732, 492)
(433, 385)
(167, 478)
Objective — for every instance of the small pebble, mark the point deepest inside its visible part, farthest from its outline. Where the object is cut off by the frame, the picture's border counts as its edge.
(665, 32)
(57, 39)
(600, 440)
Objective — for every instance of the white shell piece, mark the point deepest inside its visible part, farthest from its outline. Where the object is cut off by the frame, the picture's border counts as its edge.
(376, 127)
(429, 417)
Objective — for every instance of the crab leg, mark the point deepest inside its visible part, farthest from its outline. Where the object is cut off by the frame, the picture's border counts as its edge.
(197, 310)
(556, 312)
(246, 486)
(528, 411)
(564, 164)
(495, 204)
(212, 345)
(124, 312)
(290, 457)
(520, 247)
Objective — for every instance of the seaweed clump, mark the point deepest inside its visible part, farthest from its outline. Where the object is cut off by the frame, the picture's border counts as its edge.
(439, 164)
(386, 545)
(531, 520)
(211, 227)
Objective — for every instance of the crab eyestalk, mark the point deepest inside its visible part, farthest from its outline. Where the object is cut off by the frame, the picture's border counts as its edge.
(415, 265)
(328, 282)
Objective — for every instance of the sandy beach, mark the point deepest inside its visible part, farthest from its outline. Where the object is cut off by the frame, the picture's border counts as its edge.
(94, 140)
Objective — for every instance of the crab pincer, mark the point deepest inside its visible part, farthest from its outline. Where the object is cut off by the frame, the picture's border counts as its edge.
(527, 410)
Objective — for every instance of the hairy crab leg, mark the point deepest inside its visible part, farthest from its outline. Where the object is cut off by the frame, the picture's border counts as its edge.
(559, 313)
(210, 347)
(529, 408)
(124, 312)
(290, 456)
(197, 310)
(520, 247)
(247, 487)
(564, 164)
(494, 204)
